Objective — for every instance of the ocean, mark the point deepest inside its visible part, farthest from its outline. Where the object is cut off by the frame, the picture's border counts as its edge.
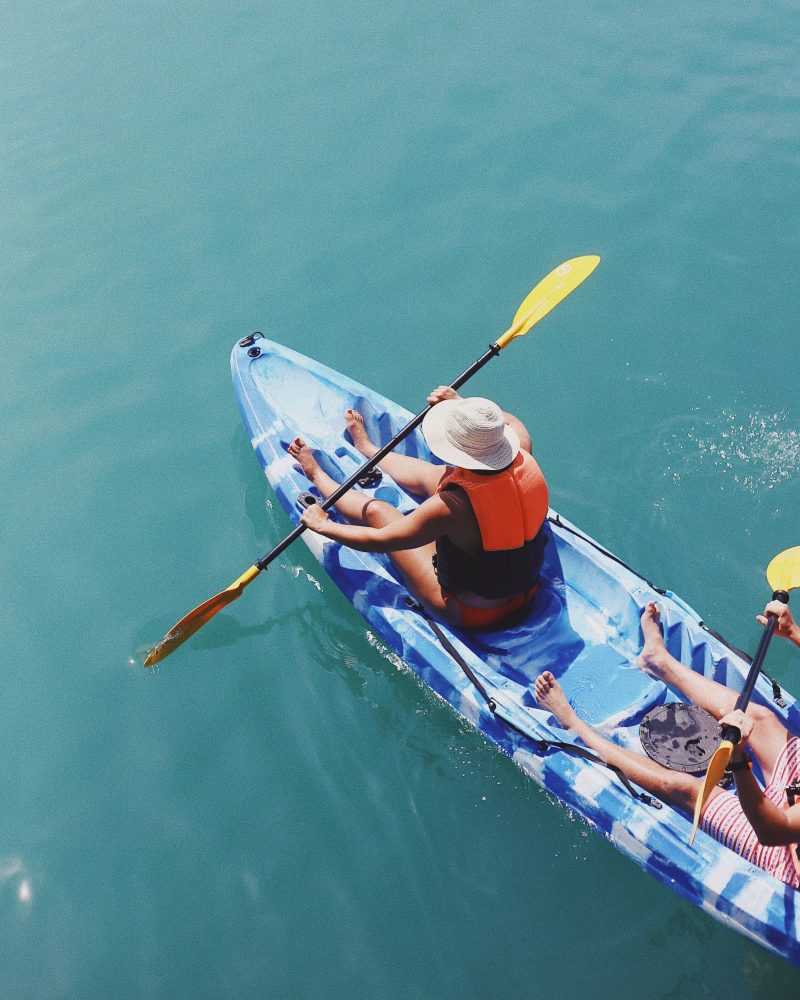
(281, 810)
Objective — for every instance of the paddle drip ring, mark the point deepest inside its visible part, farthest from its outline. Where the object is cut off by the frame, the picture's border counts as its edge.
(680, 737)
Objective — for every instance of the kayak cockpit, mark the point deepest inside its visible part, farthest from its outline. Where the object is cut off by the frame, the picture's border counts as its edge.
(583, 625)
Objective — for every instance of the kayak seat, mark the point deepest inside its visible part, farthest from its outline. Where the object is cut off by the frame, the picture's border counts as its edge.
(390, 494)
(592, 650)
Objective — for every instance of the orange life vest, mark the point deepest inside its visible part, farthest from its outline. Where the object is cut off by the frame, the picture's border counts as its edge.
(510, 508)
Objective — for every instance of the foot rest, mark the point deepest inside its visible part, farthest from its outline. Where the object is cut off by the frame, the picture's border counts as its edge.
(305, 500)
(369, 480)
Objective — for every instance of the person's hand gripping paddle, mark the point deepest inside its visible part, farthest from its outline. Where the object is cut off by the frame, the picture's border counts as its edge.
(545, 296)
(783, 575)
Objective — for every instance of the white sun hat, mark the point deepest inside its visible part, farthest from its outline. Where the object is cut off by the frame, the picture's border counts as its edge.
(470, 433)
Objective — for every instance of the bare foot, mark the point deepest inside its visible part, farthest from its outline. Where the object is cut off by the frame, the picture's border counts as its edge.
(654, 651)
(304, 457)
(354, 425)
(550, 695)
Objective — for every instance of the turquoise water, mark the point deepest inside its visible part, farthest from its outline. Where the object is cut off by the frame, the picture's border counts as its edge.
(279, 811)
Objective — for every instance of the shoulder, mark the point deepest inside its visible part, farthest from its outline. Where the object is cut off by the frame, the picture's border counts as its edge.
(454, 497)
(530, 467)
(443, 506)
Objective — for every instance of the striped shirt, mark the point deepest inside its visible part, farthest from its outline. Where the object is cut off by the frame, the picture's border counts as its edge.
(724, 819)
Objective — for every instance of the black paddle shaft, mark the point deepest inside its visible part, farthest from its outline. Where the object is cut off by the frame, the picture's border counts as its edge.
(377, 458)
(731, 733)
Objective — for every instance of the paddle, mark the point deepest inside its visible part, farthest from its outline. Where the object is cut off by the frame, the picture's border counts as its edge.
(556, 286)
(783, 575)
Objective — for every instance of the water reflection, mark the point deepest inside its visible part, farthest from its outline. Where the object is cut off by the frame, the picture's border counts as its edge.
(260, 506)
(224, 630)
(14, 873)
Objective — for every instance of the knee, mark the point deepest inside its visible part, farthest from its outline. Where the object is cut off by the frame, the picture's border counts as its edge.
(678, 788)
(377, 513)
(757, 712)
(762, 717)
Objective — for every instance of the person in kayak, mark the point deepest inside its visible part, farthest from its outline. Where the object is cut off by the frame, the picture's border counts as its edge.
(472, 551)
(761, 825)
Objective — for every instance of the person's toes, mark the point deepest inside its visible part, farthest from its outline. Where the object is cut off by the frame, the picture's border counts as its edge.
(354, 423)
(652, 612)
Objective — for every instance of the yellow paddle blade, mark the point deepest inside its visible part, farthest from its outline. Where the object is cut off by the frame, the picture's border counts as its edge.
(716, 769)
(197, 618)
(556, 286)
(783, 573)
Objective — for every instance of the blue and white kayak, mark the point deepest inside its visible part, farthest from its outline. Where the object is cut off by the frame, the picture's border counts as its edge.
(583, 625)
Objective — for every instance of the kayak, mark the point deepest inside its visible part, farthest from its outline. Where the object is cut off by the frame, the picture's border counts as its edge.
(583, 625)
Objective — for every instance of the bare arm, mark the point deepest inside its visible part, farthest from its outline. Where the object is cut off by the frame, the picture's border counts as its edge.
(423, 525)
(773, 826)
(522, 431)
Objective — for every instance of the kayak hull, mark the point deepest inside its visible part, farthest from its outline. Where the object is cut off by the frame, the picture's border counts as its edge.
(583, 625)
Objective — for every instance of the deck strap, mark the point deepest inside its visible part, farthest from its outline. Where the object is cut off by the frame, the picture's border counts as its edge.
(499, 712)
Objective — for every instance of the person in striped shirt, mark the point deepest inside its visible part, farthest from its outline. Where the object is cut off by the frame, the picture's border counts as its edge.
(763, 825)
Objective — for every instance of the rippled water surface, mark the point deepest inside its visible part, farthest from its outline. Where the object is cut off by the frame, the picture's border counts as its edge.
(281, 810)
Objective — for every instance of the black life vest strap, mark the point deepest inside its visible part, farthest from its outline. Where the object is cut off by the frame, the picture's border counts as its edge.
(542, 745)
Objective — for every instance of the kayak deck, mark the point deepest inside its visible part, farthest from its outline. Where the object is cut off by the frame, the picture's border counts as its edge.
(583, 625)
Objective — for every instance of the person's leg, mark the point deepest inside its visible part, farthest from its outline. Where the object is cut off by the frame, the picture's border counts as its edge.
(412, 474)
(416, 565)
(769, 735)
(657, 661)
(351, 504)
(674, 787)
